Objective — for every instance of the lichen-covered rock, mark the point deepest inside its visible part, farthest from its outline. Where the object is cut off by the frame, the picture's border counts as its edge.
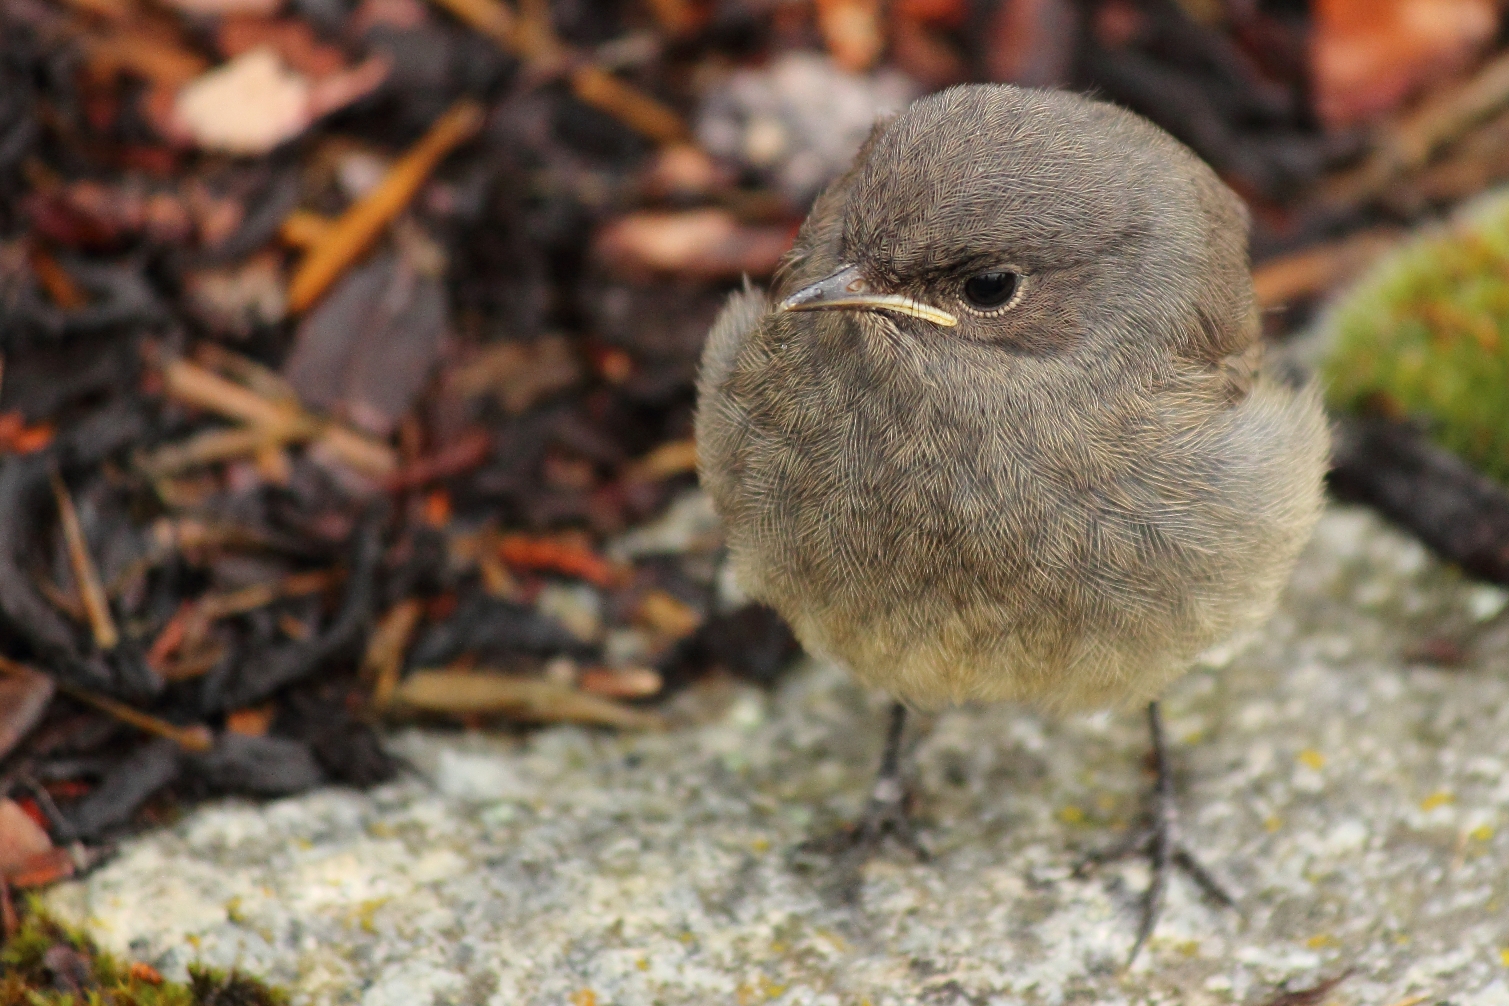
(1357, 799)
(1426, 334)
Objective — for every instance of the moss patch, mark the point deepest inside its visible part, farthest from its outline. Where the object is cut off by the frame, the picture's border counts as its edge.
(1426, 334)
(47, 964)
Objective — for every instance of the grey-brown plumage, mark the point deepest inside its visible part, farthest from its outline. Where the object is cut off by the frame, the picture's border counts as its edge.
(1062, 499)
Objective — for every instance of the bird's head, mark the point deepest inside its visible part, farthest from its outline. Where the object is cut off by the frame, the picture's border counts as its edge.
(1040, 221)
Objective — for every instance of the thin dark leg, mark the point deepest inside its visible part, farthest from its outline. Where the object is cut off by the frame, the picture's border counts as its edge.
(884, 815)
(1160, 842)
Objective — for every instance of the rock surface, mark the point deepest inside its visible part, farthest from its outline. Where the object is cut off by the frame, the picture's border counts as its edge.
(1355, 797)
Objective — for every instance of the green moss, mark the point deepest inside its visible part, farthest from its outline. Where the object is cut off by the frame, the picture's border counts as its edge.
(41, 947)
(1426, 334)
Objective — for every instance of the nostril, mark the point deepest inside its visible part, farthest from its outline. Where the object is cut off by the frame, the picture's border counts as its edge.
(855, 286)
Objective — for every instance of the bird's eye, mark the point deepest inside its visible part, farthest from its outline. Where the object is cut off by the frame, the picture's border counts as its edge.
(989, 290)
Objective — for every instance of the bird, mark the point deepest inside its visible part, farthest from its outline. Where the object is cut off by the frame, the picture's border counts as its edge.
(1000, 429)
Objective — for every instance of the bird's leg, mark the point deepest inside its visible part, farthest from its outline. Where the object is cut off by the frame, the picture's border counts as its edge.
(885, 814)
(1160, 842)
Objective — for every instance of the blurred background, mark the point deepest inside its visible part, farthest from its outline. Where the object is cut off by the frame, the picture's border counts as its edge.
(348, 345)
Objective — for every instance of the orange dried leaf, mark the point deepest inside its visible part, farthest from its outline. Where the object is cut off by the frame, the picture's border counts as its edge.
(42, 869)
(171, 638)
(145, 973)
(666, 615)
(253, 721)
(293, 40)
(25, 695)
(557, 555)
(437, 508)
(18, 438)
(949, 13)
(1368, 56)
(151, 56)
(55, 280)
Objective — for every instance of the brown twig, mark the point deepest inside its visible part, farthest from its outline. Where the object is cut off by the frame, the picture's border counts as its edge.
(386, 647)
(530, 38)
(187, 629)
(212, 446)
(1394, 467)
(597, 87)
(1318, 269)
(467, 451)
(192, 384)
(192, 738)
(1311, 996)
(85, 573)
(675, 457)
(1408, 143)
(354, 231)
(276, 422)
(304, 229)
(481, 693)
(60, 286)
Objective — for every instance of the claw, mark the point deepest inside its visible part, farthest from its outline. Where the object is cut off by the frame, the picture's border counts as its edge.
(847, 850)
(1160, 843)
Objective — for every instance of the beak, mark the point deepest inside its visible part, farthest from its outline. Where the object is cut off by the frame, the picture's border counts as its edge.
(847, 289)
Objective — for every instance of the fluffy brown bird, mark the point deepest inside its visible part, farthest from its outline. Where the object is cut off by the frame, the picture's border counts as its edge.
(999, 431)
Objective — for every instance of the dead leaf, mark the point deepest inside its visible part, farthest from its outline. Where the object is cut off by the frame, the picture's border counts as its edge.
(701, 244)
(21, 838)
(481, 693)
(851, 29)
(42, 869)
(1368, 56)
(1032, 42)
(684, 170)
(367, 348)
(666, 615)
(240, 298)
(24, 695)
(294, 42)
(925, 55)
(151, 55)
(247, 106)
(253, 721)
(519, 374)
(256, 101)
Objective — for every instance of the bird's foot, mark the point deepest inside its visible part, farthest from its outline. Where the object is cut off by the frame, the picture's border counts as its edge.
(1165, 853)
(1160, 842)
(842, 854)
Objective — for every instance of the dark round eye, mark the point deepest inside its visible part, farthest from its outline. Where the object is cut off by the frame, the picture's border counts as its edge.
(991, 289)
